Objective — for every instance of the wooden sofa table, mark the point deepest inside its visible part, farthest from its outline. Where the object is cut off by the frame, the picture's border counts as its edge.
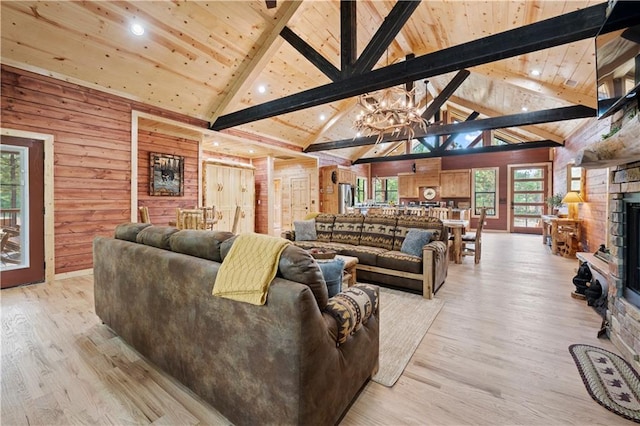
(350, 263)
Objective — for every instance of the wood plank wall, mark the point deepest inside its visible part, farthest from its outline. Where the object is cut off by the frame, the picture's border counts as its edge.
(297, 168)
(92, 145)
(262, 195)
(594, 211)
(162, 209)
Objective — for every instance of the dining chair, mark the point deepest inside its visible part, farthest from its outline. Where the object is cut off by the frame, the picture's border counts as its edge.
(144, 214)
(391, 211)
(236, 219)
(440, 212)
(472, 243)
(210, 218)
(190, 219)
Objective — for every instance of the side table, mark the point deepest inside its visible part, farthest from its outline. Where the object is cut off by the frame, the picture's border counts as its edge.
(349, 268)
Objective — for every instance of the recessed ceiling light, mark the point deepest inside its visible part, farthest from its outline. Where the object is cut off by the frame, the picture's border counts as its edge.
(216, 144)
(137, 29)
(322, 117)
(251, 151)
(525, 109)
(358, 135)
(535, 72)
(262, 89)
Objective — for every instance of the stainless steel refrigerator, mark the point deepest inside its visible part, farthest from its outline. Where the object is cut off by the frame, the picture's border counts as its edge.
(345, 197)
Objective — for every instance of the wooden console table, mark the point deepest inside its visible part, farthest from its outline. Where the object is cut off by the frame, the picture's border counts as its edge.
(565, 233)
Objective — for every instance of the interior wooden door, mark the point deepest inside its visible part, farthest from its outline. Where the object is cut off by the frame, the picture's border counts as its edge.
(528, 190)
(21, 211)
(299, 198)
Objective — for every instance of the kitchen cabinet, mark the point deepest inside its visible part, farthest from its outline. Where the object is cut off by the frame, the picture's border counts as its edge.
(407, 185)
(225, 187)
(455, 184)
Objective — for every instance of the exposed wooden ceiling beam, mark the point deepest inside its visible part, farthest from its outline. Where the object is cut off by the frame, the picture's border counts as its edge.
(514, 120)
(348, 37)
(578, 25)
(269, 44)
(385, 35)
(446, 93)
(447, 153)
(312, 55)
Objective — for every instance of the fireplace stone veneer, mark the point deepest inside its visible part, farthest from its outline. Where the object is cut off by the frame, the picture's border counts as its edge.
(623, 316)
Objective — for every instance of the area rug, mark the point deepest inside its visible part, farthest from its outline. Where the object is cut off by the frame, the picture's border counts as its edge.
(404, 320)
(609, 379)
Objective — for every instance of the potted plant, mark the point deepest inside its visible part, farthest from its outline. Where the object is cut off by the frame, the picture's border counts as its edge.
(554, 202)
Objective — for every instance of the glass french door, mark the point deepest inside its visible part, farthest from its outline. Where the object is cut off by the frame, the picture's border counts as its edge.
(21, 211)
(528, 192)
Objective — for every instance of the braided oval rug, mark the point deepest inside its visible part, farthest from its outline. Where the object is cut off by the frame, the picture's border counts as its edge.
(609, 379)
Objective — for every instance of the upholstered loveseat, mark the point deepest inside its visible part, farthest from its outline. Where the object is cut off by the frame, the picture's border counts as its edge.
(284, 362)
(377, 242)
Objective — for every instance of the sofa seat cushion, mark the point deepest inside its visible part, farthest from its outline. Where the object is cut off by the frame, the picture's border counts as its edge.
(400, 261)
(202, 244)
(366, 255)
(324, 227)
(405, 223)
(378, 231)
(347, 228)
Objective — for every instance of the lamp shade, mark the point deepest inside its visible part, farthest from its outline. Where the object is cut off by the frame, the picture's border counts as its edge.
(572, 197)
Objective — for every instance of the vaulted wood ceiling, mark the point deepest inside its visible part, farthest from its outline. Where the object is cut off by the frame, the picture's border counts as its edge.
(208, 59)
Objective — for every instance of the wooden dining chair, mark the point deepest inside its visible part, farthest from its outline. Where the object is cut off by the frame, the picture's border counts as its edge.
(440, 212)
(190, 219)
(391, 211)
(472, 243)
(210, 218)
(236, 219)
(144, 214)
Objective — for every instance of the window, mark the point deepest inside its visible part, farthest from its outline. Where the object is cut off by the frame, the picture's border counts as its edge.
(361, 189)
(575, 179)
(485, 191)
(385, 190)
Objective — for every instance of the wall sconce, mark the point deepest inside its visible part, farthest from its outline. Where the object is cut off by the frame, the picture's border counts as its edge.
(572, 199)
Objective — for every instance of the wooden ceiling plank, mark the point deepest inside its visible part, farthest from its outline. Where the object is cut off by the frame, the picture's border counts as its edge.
(514, 120)
(310, 54)
(447, 153)
(344, 108)
(446, 93)
(384, 36)
(268, 45)
(578, 25)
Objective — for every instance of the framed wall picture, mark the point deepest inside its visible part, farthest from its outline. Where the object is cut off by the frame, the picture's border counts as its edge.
(166, 174)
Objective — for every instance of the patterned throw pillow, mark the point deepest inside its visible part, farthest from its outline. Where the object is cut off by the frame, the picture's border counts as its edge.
(352, 308)
(324, 227)
(347, 229)
(305, 230)
(415, 240)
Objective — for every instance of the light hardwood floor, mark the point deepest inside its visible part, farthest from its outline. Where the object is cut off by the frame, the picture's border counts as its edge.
(495, 355)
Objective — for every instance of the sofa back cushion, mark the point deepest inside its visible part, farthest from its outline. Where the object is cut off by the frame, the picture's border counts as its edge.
(203, 244)
(296, 264)
(156, 236)
(324, 227)
(347, 228)
(378, 231)
(129, 231)
(405, 223)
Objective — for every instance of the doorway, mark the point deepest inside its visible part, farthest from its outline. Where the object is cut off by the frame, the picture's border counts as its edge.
(22, 258)
(527, 190)
(299, 198)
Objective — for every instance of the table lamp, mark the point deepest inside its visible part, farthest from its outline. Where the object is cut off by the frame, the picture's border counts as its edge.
(571, 200)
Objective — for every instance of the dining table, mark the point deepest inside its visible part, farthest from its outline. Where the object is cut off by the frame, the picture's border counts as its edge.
(457, 228)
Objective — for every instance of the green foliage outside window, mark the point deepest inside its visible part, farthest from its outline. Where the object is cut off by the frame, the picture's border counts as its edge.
(484, 190)
(385, 190)
(10, 188)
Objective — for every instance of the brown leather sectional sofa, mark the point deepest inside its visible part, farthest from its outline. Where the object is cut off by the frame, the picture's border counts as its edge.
(376, 240)
(279, 363)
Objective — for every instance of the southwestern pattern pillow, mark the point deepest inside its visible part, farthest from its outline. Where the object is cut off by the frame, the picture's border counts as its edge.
(352, 308)
(347, 229)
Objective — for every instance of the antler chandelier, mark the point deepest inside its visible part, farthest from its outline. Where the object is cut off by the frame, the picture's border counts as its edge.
(390, 111)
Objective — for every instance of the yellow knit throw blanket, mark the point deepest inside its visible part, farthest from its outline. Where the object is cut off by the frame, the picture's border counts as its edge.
(249, 267)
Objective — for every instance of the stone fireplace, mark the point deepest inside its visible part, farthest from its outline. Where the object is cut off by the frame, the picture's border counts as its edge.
(623, 303)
